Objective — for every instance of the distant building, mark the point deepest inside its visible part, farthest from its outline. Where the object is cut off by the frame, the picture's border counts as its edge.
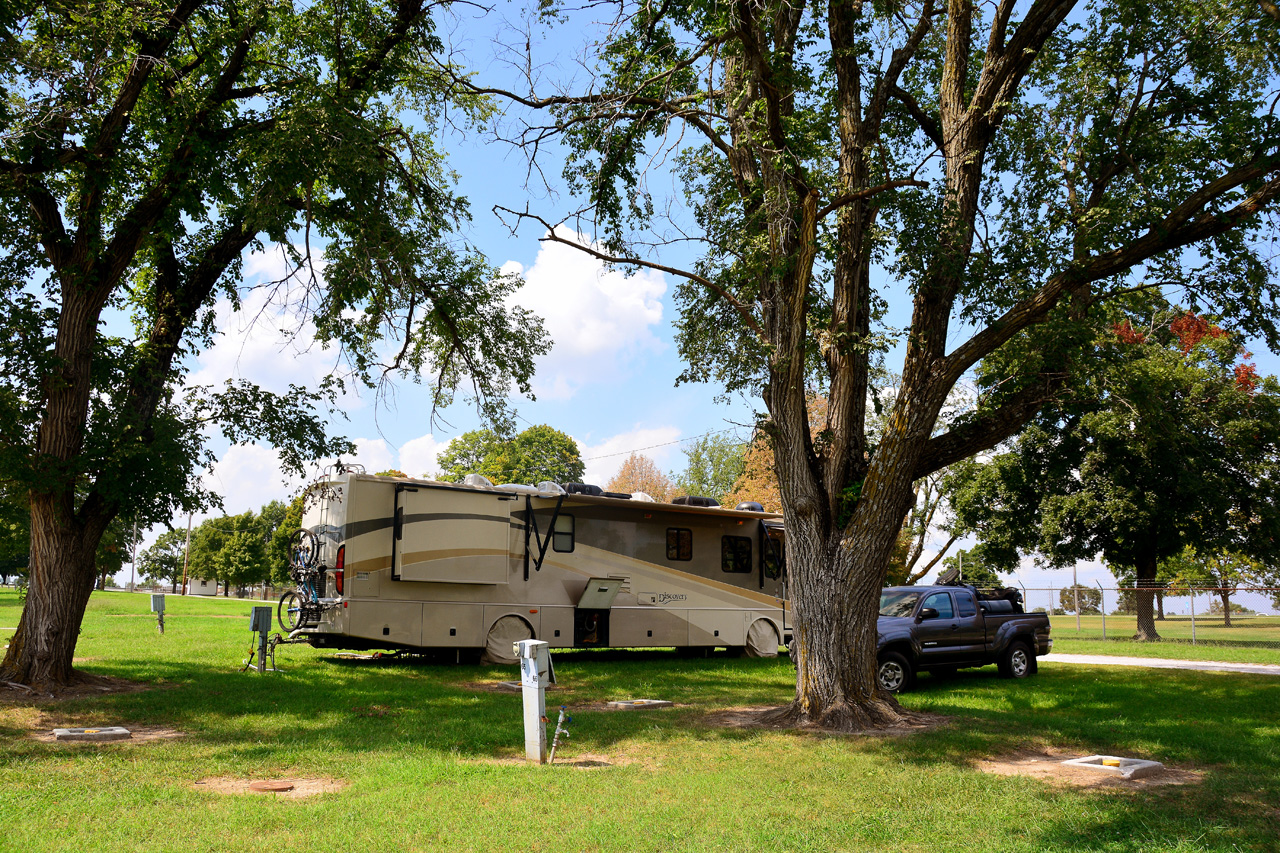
(197, 586)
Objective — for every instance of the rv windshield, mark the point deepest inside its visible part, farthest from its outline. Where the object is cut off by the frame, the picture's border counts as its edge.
(898, 602)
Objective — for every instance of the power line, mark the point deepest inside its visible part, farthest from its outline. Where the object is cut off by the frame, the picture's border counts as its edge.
(663, 444)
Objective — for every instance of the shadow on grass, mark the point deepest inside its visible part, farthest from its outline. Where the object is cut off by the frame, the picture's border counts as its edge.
(377, 705)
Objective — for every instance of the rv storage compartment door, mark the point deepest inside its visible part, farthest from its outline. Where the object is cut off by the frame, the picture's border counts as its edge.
(453, 536)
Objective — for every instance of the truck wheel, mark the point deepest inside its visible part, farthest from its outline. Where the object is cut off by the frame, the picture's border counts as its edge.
(893, 672)
(1017, 661)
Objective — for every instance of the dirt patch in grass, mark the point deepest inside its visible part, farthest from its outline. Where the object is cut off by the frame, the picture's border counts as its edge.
(760, 718)
(138, 734)
(300, 786)
(578, 761)
(85, 686)
(1047, 764)
(503, 687)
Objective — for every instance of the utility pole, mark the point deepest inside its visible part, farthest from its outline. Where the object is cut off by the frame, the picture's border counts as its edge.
(133, 561)
(1075, 588)
(186, 556)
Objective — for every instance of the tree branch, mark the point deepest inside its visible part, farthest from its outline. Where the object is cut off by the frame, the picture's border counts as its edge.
(742, 308)
(1174, 232)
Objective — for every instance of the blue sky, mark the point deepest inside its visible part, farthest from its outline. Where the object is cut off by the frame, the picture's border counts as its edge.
(609, 381)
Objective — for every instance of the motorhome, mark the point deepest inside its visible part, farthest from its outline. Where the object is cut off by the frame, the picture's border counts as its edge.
(415, 564)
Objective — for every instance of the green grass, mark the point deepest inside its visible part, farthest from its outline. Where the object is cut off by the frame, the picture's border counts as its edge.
(432, 763)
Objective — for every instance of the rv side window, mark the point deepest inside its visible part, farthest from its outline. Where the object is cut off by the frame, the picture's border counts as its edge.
(679, 543)
(562, 536)
(735, 554)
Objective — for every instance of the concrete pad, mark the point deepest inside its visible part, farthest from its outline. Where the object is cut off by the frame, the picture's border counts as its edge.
(102, 733)
(1127, 768)
(639, 704)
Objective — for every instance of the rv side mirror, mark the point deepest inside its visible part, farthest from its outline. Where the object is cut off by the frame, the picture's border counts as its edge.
(927, 613)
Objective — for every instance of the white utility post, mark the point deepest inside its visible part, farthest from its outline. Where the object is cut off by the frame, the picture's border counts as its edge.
(535, 673)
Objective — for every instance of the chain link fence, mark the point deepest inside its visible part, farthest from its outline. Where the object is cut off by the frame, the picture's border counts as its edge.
(1247, 617)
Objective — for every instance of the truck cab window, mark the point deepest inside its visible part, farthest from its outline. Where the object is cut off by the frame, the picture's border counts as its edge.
(965, 604)
(941, 602)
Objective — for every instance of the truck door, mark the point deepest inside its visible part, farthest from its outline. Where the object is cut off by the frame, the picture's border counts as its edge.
(972, 640)
(939, 636)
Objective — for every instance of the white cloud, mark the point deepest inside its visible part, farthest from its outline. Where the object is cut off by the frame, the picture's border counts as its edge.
(265, 341)
(604, 458)
(373, 454)
(601, 321)
(418, 455)
(248, 476)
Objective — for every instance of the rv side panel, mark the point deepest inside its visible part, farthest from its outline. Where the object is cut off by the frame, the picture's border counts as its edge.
(452, 536)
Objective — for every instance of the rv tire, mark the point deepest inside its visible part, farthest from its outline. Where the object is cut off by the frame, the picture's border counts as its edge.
(762, 640)
(502, 634)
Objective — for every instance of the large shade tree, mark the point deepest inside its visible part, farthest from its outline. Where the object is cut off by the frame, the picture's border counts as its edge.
(1005, 167)
(145, 147)
(1175, 442)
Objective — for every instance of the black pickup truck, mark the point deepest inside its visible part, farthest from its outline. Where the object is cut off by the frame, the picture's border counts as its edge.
(940, 629)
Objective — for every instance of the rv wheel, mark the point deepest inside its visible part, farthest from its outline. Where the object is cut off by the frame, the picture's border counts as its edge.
(505, 632)
(762, 640)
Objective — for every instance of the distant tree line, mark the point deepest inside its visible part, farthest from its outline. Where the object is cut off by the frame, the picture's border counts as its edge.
(234, 550)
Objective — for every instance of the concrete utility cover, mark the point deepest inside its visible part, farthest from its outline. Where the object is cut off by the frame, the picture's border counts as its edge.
(102, 733)
(271, 787)
(637, 704)
(1127, 768)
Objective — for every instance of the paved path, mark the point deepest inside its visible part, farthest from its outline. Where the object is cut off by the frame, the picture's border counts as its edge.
(1163, 663)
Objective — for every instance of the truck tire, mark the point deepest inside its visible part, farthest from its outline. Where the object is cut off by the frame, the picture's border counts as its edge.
(1017, 660)
(894, 673)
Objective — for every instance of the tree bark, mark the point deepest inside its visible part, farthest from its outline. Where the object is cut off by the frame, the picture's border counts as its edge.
(1144, 598)
(1225, 595)
(62, 574)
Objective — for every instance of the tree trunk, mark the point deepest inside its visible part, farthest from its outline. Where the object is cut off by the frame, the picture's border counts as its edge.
(1160, 604)
(1225, 595)
(62, 575)
(835, 583)
(1144, 597)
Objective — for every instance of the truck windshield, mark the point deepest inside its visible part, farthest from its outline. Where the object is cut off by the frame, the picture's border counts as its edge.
(898, 602)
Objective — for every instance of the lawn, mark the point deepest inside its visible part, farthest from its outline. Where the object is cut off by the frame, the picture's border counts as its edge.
(1250, 639)
(431, 762)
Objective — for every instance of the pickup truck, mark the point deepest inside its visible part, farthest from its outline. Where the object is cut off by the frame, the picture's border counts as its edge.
(940, 629)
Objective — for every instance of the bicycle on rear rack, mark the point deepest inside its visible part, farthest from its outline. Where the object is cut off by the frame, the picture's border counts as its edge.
(300, 607)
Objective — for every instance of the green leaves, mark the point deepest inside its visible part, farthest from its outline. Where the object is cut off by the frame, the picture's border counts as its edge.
(539, 453)
(1163, 447)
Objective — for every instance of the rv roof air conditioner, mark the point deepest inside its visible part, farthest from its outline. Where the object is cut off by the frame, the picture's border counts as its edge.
(477, 481)
(696, 500)
(641, 496)
(548, 486)
(583, 489)
(749, 506)
(518, 488)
